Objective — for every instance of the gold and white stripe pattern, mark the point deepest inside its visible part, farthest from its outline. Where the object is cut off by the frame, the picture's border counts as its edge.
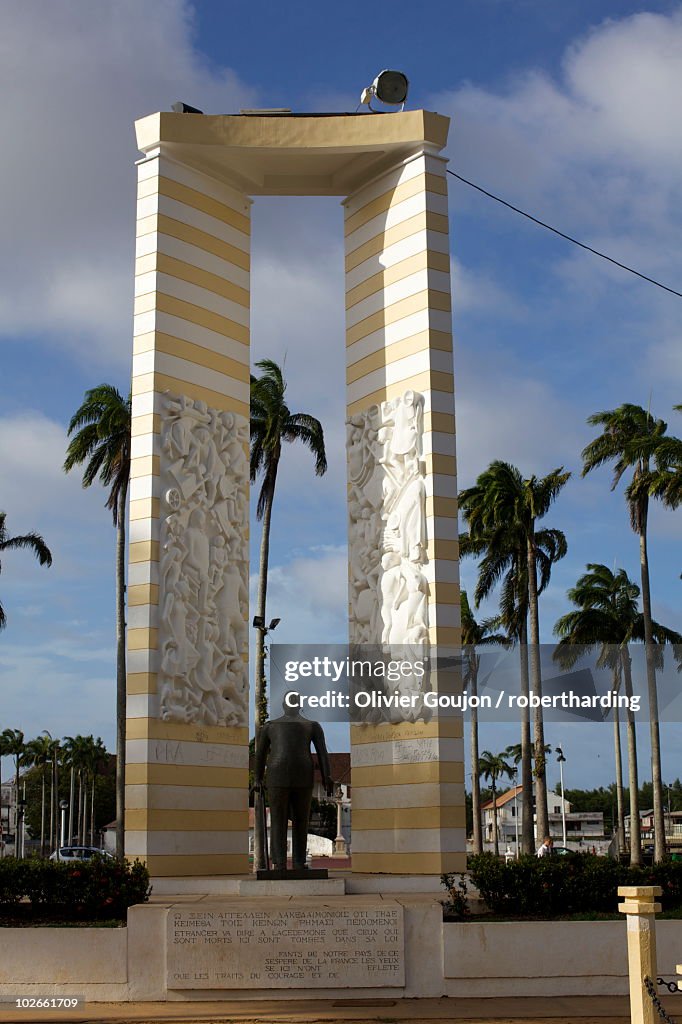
(407, 779)
(186, 786)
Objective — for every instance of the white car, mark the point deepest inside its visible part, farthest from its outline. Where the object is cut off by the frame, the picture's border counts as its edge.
(69, 853)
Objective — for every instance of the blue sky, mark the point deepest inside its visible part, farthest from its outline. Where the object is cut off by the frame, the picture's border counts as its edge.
(568, 110)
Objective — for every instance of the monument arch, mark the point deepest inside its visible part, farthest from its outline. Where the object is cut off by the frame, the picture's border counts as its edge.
(187, 726)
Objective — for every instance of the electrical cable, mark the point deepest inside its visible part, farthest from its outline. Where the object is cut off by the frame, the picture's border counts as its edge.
(562, 234)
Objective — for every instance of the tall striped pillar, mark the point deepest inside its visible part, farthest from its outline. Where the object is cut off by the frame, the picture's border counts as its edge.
(187, 719)
(407, 778)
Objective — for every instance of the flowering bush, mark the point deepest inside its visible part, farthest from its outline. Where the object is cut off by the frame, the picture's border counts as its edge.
(92, 890)
(575, 884)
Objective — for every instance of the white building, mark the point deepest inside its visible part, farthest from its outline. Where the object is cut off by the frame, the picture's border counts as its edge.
(582, 827)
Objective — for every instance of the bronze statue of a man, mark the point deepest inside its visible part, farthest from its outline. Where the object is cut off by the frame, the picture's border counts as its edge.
(284, 748)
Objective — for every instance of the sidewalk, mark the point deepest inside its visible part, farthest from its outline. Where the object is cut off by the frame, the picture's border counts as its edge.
(561, 1010)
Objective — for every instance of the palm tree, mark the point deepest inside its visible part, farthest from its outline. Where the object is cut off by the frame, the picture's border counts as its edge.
(510, 555)
(505, 560)
(493, 767)
(96, 757)
(501, 511)
(76, 750)
(272, 424)
(39, 751)
(27, 540)
(667, 479)
(631, 439)
(475, 634)
(56, 756)
(101, 441)
(607, 617)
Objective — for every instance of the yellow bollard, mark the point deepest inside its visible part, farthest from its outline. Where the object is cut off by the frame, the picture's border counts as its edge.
(640, 906)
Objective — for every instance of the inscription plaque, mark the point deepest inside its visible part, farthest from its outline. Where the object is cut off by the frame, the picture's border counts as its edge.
(284, 945)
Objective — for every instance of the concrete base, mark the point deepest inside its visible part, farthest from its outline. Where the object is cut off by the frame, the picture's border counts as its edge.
(345, 882)
(486, 961)
(394, 884)
(292, 887)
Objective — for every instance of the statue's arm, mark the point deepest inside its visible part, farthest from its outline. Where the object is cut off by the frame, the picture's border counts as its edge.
(323, 758)
(262, 748)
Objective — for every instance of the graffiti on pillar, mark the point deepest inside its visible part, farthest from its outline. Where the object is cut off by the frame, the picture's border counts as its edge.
(387, 530)
(203, 570)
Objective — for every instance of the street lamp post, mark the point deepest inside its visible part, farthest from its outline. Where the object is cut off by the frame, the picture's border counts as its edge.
(561, 759)
(340, 849)
(260, 853)
(63, 807)
(19, 842)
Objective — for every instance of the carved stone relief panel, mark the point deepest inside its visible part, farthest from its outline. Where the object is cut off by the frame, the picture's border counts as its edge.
(387, 531)
(203, 638)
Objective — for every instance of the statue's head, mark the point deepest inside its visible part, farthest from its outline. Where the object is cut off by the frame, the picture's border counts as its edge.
(291, 704)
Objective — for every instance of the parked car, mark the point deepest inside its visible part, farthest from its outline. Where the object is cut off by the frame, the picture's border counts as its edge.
(79, 853)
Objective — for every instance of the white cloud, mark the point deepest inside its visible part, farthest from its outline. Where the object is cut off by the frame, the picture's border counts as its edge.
(75, 76)
(55, 610)
(475, 291)
(310, 595)
(594, 150)
(506, 416)
(69, 691)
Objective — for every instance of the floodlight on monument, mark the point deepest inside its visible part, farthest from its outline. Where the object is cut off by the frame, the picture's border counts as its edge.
(389, 87)
(258, 622)
(184, 108)
(274, 624)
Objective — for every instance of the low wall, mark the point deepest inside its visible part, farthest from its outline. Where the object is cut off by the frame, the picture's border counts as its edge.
(525, 958)
(546, 958)
(86, 962)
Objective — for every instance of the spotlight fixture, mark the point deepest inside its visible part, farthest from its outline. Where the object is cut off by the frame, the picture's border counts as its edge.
(259, 623)
(184, 108)
(389, 87)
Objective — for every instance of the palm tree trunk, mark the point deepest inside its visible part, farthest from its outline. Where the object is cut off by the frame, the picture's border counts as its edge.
(53, 844)
(495, 836)
(84, 823)
(80, 807)
(656, 779)
(120, 673)
(16, 801)
(477, 833)
(42, 812)
(542, 816)
(71, 799)
(527, 833)
(92, 812)
(633, 778)
(619, 824)
(261, 686)
(85, 810)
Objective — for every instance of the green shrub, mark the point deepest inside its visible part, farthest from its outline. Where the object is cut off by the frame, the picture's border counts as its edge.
(456, 908)
(577, 884)
(97, 889)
